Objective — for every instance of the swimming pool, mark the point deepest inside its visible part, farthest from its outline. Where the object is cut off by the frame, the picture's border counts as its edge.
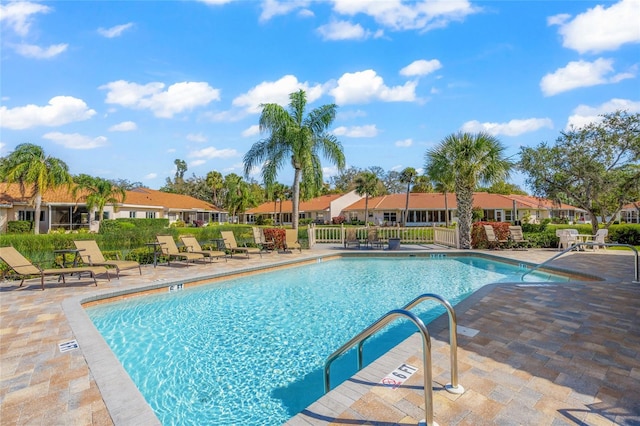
(251, 350)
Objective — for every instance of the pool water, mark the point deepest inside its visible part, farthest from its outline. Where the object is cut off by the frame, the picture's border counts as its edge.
(251, 351)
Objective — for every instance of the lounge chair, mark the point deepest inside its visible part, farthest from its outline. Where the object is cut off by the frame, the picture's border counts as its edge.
(261, 241)
(91, 255)
(232, 245)
(517, 237)
(24, 268)
(493, 240)
(193, 246)
(291, 241)
(170, 249)
(351, 238)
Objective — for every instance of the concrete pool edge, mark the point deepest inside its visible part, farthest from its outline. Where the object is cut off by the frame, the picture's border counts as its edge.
(123, 400)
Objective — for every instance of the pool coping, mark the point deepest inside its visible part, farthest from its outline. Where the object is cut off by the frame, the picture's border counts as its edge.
(123, 399)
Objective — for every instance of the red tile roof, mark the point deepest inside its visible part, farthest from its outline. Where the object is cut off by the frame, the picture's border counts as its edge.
(321, 203)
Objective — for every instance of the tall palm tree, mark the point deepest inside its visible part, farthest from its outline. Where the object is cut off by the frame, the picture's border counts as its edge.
(366, 183)
(97, 193)
(277, 192)
(471, 158)
(407, 176)
(236, 196)
(445, 187)
(296, 138)
(28, 165)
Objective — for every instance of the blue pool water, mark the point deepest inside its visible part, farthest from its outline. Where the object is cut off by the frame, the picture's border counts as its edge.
(250, 351)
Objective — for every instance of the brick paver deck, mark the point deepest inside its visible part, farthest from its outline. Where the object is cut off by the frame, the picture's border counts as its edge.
(553, 354)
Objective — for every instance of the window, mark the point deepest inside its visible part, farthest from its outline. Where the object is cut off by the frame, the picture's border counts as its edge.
(389, 216)
(132, 214)
(26, 215)
(151, 215)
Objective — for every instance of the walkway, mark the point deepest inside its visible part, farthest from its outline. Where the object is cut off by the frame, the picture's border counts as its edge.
(556, 354)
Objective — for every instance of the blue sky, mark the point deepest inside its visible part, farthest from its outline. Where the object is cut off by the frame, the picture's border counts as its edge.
(120, 89)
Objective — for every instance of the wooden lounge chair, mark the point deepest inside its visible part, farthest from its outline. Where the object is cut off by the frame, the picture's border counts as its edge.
(261, 241)
(351, 239)
(91, 255)
(170, 249)
(193, 246)
(517, 237)
(24, 268)
(291, 241)
(232, 245)
(493, 240)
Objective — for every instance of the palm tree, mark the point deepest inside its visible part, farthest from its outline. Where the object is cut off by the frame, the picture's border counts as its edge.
(470, 159)
(97, 193)
(236, 195)
(407, 176)
(422, 184)
(366, 183)
(28, 165)
(298, 139)
(277, 192)
(216, 182)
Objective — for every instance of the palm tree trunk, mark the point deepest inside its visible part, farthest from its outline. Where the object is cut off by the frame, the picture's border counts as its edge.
(296, 198)
(464, 197)
(366, 209)
(36, 219)
(406, 206)
(446, 210)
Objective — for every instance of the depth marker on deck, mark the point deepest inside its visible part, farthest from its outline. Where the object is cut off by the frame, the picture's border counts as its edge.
(68, 346)
(398, 376)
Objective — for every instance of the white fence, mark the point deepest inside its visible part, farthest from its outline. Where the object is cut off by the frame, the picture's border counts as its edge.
(408, 235)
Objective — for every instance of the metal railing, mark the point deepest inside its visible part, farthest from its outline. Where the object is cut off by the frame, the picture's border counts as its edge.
(590, 244)
(426, 354)
(453, 387)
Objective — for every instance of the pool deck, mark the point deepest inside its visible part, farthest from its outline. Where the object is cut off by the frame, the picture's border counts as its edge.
(562, 354)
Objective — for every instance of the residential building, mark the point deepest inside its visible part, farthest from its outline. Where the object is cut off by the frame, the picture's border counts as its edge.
(61, 210)
(426, 209)
(320, 209)
(630, 213)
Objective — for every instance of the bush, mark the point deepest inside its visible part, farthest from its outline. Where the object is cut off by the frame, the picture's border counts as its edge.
(625, 234)
(338, 220)
(19, 227)
(479, 237)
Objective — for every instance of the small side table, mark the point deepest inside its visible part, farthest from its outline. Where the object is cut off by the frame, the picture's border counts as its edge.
(156, 247)
(394, 243)
(64, 252)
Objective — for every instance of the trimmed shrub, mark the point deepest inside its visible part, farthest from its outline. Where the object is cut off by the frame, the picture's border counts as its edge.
(19, 227)
(479, 237)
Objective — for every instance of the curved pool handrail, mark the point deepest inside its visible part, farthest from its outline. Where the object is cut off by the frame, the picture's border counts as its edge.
(452, 387)
(426, 354)
(590, 244)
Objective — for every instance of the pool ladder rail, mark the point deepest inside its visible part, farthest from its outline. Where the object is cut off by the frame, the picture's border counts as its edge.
(453, 387)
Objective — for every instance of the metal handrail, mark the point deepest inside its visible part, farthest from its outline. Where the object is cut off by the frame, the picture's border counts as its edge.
(452, 387)
(590, 244)
(426, 354)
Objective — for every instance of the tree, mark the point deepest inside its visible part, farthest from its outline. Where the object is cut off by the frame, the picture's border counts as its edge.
(344, 181)
(407, 176)
(97, 193)
(422, 184)
(503, 188)
(471, 158)
(28, 165)
(276, 193)
(236, 194)
(296, 138)
(216, 182)
(181, 169)
(367, 185)
(596, 167)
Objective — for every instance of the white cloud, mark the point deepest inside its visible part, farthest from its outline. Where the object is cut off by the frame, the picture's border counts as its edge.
(404, 143)
(196, 163)
(330, 171)
(125, 126)
(271, 8)
(196, 137)
(365, 86)
(367, 131)
(600, 29)
(18, 15)
(421, 67)
(37, 52)
(177, 98)
(584, 115)
(251, 131)
(60, 110)
(150, 176)
(512, 128)
(345, 30)
(75, 140)
(416, 15)
(115, 31)
(580, 74)
(212, 152)
(275, 92)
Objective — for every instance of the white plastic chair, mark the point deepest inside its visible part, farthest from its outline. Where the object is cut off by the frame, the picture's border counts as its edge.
(599, 238)
(567, 238)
